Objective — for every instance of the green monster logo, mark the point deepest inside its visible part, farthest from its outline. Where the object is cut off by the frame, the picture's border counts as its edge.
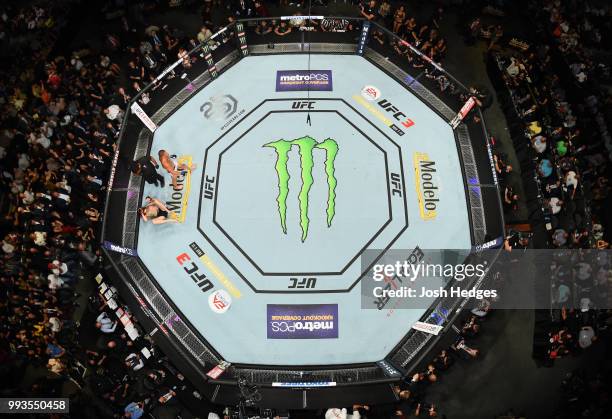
(306, 146)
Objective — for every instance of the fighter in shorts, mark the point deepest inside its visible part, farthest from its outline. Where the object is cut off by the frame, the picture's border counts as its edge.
(169, 163)
(157, 212)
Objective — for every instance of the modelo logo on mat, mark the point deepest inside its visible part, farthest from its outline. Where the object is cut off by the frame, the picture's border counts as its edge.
(299, 80)
(370, 93)
(219, 301)
(302, 321)
(426, 181)
(179, 198)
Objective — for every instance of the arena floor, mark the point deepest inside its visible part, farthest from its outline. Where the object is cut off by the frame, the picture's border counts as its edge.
(290, 189)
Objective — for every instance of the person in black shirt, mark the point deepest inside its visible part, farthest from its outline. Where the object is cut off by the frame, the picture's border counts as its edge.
(135, 71)
(146, 167)
(417, 387)
(263, 28)
(403, 407)
(369, 11)
(243, 8)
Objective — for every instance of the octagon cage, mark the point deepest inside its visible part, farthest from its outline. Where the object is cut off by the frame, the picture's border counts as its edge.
(292, 387)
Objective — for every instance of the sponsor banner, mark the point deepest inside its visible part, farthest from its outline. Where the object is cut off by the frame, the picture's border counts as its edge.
(426, 186)
(111, 177)
(215, 372)
(363, 38)
(493, 244)
(179, 199)
(142, 115)
(492, 162)
(302, 17)
(305, 384)
(242, 39)
(119, 249)
(432, 329)
(302, 321)
(465, 109)
(219, 301)
(210, 62)
(388, 369)
(218, 370)
(299, 80)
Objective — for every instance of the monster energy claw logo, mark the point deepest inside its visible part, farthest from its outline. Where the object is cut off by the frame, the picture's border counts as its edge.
(306, 146)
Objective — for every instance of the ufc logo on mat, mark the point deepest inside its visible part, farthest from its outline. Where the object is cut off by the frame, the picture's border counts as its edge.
(301, 283)
(303, 104)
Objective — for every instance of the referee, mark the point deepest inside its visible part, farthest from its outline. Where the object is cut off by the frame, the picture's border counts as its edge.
(147, 166)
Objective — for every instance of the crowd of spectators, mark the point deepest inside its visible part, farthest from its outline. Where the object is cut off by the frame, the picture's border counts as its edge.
(550, 130)
(59, 121)
(413, 392)
(54, 156)
(31, 29)
(561, 122)
(581, 35)
(424, 35)
(585, 394)
(581, 292)
(558, 116)
(57, 142)
(128, 373)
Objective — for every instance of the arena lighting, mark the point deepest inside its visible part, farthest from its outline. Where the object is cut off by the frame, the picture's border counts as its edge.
(190, 85)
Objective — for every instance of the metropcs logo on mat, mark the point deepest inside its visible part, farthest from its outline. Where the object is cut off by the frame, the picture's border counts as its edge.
(299, 80)
(426, 185)
(302, 321)
(306, 146)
